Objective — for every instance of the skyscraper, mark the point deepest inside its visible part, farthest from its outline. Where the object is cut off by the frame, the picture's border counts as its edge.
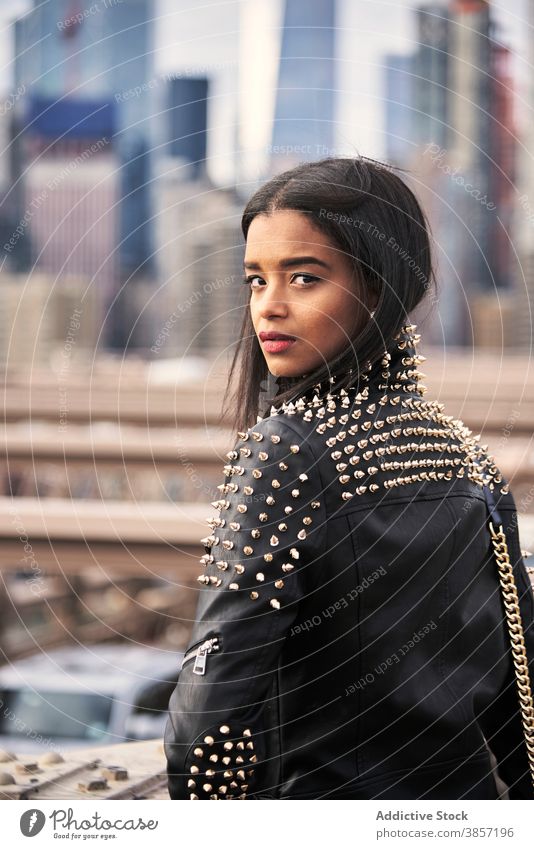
(524, 214)
(187, 121)
(469, 84)
(431, 70)
(457, 116)
(88, 72)
(305, 95)
(481, 143)
(502, 149)
(401, 138)
(416, 85)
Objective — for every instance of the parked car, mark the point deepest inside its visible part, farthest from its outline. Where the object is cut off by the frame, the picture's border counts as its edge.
(86, 696)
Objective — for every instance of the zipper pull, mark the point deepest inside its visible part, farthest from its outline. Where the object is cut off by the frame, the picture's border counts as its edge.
(199, 666)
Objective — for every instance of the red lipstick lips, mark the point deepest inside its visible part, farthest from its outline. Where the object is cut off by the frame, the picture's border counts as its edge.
(273, 334)
(275, 342)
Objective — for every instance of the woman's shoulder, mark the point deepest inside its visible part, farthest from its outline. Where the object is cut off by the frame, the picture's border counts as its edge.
(273, 451)
(364, 444)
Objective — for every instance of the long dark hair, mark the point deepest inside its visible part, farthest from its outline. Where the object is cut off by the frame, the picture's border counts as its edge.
(372, 215)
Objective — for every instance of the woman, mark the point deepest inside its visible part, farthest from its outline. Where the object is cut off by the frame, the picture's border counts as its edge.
(350, 639)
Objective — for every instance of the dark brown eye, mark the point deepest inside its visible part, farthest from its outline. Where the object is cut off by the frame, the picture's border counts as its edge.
(309, 279)
(249, 280)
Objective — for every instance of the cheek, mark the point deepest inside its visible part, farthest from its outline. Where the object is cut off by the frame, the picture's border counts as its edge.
(348, 309)
(334, 316)
(253, 315)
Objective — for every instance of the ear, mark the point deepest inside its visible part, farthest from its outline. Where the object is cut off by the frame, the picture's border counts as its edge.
(371, 299)
(368, 295)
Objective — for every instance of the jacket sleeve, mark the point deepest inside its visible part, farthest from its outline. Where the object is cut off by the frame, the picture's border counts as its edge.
(501, 723)
(269, 532)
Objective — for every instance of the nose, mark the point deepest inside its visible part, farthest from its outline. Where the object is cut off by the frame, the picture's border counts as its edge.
(273, 301)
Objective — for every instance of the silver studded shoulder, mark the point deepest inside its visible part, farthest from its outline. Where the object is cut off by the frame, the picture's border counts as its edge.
(269, 518)
(383, 435)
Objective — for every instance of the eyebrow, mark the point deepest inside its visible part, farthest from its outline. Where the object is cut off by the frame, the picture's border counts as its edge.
(291, 262)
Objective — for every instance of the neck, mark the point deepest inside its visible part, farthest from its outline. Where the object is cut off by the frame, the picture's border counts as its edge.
(396, 372)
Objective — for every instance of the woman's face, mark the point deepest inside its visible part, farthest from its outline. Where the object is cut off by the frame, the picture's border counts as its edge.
(302, 286)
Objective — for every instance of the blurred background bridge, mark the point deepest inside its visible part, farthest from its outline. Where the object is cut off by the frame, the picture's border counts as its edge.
(113, 506)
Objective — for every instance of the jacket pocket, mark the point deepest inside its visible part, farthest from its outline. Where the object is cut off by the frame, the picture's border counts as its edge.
(198, 653)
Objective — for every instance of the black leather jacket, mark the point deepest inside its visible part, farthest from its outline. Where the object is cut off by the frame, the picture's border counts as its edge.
(350, 639)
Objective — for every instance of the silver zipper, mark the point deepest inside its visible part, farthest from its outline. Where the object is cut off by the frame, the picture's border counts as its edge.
(200, 653)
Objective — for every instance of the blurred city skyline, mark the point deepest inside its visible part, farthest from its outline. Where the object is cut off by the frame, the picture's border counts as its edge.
(217, 45)
(134, 131)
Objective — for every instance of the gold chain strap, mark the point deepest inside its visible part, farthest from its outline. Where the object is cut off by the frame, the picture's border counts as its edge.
(515, 629)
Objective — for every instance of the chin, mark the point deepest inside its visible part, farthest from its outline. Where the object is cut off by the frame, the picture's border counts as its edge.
(279, 371)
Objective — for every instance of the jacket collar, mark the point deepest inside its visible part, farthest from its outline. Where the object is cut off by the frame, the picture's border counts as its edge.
(396, 372)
